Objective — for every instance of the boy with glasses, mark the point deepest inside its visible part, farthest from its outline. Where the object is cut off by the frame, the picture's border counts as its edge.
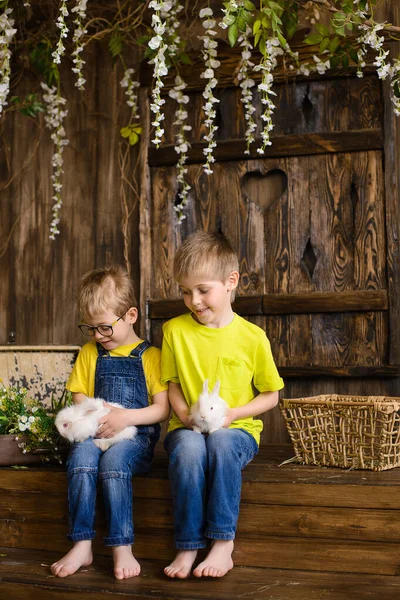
(118, 366)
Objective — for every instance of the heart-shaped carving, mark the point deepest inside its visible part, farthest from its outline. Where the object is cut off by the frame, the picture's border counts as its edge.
(264, 189)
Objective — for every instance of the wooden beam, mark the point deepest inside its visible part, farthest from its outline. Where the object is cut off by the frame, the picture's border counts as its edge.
(282, 304)
(284, 145)
(328, 302)
(313, 371)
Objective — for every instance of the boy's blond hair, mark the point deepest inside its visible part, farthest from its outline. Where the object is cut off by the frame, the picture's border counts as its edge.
(107, 288)
(205, 253)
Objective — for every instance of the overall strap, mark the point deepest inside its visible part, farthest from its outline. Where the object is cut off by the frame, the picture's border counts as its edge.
(101, 350)
(138, 351)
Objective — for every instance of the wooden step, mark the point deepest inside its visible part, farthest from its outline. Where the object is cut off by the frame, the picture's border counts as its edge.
(25, 575)
(292, 516)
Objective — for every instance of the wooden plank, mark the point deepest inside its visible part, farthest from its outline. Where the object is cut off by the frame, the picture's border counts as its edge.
(281, 304)
(307, 106)
(344, 371)
(325, 302)
(318, 555)
(276, 520)
(282, 146)
(250, 550)
(25, 576)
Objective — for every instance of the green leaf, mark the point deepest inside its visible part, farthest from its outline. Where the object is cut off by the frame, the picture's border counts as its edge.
(241, 23)
(262, 46)
(185, 58)
(115, 44)
(335, 60)
(396, 89)
(42, 61)
(233, 34)
(334, 43)
(353, 55)
(249, 5)
(313, 39)
(345, 61)
(282, 40)
(322, 29)
(290, 22)
(324, 45)
(125, 132)
(340, 31)
(133, 138)
(18, 467)
(256, 26)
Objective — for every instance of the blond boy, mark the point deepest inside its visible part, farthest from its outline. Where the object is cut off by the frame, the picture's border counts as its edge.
(212, 342)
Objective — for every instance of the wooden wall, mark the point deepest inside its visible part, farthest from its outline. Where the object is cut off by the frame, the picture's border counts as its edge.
(38, 277)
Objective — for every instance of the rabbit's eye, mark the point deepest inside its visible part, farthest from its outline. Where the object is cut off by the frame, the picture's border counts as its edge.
(65, 425)
(212, 408)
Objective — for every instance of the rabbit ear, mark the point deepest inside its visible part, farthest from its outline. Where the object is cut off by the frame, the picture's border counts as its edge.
(205, 387)
(89, 411)
(216, 387)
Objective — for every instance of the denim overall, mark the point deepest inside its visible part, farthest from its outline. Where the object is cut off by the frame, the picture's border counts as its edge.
(121, 380)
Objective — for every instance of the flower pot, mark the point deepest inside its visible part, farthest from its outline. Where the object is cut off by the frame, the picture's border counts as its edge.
(11, 454)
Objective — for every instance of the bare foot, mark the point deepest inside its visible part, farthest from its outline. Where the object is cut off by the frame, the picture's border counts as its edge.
(79, 556)
(125, 564)
(182, 564)
(218, 561)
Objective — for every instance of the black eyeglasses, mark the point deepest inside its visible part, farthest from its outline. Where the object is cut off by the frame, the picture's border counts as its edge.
(106, 330)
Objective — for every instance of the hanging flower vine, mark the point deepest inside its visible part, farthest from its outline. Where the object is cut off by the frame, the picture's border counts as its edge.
(62, 26)
(342, 34)
(7, 33)
(79, 32)
(54, 118)
(182, 145)
(209, 54)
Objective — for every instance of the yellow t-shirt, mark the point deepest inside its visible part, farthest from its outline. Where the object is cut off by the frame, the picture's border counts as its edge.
(82, 377)
(238, 355)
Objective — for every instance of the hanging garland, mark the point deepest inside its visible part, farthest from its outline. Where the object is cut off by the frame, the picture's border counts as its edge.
(263, 32)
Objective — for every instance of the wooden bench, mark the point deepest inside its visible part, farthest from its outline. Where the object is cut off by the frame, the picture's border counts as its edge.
(304, 533)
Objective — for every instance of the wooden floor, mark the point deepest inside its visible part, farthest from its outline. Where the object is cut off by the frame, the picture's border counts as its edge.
(304, 533)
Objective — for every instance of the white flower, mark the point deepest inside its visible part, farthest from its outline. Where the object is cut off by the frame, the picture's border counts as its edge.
(205, 12)
(155, 42)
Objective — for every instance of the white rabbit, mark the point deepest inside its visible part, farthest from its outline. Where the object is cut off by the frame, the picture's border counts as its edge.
(209, 411)
(80, 421)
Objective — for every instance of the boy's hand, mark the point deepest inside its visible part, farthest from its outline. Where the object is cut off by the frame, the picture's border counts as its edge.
(112, 423)
(229, 417)
(187, 421)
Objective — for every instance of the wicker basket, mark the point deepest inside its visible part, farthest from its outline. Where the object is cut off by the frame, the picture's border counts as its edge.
(352, 432)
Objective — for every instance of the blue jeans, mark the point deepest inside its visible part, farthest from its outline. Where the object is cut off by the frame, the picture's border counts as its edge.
(114, 469)
(206, 480)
